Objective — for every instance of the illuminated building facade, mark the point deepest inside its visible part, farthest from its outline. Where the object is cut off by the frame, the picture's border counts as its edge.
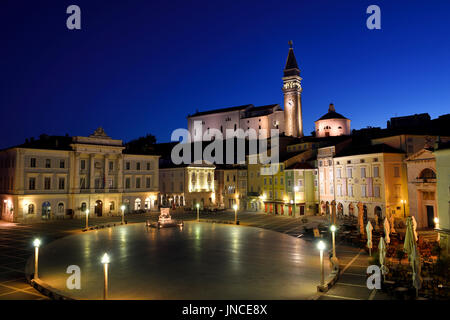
(332, 124)
(374, 176)
(442, 155)
(62, 177)
(422, 187)
(187, 185)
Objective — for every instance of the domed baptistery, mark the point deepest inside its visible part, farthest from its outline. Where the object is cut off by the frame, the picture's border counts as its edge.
(332, 124)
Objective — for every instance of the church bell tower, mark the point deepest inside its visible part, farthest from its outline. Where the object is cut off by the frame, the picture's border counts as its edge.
(292, 90)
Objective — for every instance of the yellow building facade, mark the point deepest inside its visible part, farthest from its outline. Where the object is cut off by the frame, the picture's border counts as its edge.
(377, 180)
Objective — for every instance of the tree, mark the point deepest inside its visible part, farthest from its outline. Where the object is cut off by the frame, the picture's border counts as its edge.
(141, 144)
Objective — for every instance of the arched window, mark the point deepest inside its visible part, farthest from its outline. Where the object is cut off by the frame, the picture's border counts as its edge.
(111, 206)
(427, 174)
(83, 206)
(137, 204)
(30, 208)
(60, 207)
(147, 203)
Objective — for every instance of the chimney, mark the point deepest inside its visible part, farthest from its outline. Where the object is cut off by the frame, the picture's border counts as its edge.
(331, 108)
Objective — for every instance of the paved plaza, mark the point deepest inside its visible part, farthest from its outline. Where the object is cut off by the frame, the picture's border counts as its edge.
(16, 248)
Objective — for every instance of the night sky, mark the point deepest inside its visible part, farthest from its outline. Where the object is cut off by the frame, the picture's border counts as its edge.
(141, 66)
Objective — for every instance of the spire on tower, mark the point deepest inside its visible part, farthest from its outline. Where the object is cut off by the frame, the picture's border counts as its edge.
(291, 68)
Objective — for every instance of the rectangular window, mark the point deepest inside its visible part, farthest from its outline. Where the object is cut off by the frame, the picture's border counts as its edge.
(275, 181)
(127, 183)
(397, 190)
(148, 166)
(127, 166)
(32, 184)
(33, 162)
(363, 172)
(350, 190)
(47, 183)
(265, 181)
(349, 173)
(281, 181)
(138, 183)
(338, 173)
(363, 191)
(62, 164)
(376, 172)
(82, 183)
(376, 190)
(47, 163)
(396, 172)
(138, 166)
(147, 183)
(111, 166)
(83, 164)
(339, 190)
(61, 183)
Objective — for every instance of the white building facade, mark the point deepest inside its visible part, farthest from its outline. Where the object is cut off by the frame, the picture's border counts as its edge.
(62, 177)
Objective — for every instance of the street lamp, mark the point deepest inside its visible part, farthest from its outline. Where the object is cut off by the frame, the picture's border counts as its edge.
(404, 207)
(122, 207)
(296, 188)
(235, 207)
(105, 261)
(321, 247)
(198, 211)
(87, 219)
(36, 244)
(436, 226)
(333, 231)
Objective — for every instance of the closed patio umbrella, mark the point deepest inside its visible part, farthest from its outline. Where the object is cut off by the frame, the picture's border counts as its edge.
(382, 257)
(369, 229)
(414, 222)
(387, 230)
(410, 247)
(416, 270)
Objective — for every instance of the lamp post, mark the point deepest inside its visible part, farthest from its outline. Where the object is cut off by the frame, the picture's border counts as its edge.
(296, 188)
(436, 226)
(87, 219)
(321, 247)
(105, 261)
(404, 207)
(235, 207)
(36, 244)
(333, 231)
(198, 211)
(122, 207)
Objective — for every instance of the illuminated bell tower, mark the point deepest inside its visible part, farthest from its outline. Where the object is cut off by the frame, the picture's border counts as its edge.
(292, 89)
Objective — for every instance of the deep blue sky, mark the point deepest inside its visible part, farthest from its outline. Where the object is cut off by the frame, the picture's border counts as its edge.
(140, 66)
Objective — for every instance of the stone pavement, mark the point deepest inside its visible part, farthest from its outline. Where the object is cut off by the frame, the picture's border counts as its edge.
(16, 248)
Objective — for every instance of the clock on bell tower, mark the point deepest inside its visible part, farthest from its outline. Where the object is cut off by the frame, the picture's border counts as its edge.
(292, 89)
